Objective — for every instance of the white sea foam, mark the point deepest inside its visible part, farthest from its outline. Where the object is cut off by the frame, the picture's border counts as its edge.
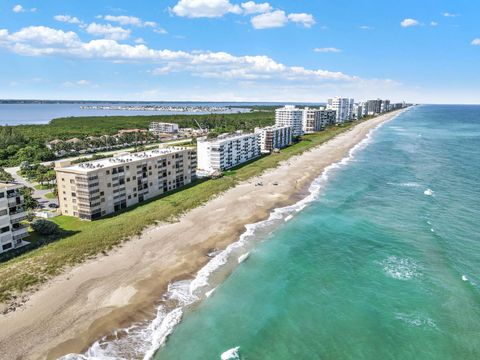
(289, 217)
(210, 292)
(428, 192)
(417, 320)
(464, 278)
(147, 339)
(410, 184)
(231, 354)
(243, 257)
(400, 268)
(161, 329)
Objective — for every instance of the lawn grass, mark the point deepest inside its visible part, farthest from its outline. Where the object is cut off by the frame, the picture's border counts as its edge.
(44, 186)
(50, 196)
(85, 240)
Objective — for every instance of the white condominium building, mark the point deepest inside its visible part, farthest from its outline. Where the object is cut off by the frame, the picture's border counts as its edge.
(290, 116)
(227, 151)
(274, 137)
(158, 128)
(317, 119)
(100, 187)
(12, 232)
(343, 107)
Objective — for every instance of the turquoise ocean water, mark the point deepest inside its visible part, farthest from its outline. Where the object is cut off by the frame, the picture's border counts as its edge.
(384, 264)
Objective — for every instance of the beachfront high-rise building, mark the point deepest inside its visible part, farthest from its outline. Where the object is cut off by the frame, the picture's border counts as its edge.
(100, 187)
(289, 115)
(374, 107)
(317, 119)
(385, 106)
(358, 111)
(158, 128)
(343, 107)
(274, 137)
(377, 106)
(227, 151)
(12, 232)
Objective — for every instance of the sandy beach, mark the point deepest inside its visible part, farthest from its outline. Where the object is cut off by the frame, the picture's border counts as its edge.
(73, 310)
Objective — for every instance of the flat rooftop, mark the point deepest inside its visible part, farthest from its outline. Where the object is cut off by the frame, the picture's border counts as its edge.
(5, 185)
(119, 160)
(226, 137)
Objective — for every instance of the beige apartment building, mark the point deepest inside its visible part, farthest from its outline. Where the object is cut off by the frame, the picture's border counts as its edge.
(12, 232)
(93, 189)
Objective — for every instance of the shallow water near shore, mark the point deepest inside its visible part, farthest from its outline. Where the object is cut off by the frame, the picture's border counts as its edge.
(383, 264)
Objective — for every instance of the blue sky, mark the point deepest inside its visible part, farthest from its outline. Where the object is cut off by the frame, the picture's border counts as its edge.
(229, 50)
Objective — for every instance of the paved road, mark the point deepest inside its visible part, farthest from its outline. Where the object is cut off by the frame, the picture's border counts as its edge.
(39, 195)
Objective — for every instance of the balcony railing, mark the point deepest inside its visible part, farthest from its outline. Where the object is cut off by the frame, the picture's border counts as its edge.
(19, 230)
(20, 236)
(18, 216)
(13, 194)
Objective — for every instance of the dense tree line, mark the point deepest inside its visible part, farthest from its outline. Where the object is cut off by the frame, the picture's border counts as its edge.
(81, 127)
(28, 142)
(16, 147)
(44, 175)
(5, 176)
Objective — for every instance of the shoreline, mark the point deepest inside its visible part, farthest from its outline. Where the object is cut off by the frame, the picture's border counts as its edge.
(114, 291)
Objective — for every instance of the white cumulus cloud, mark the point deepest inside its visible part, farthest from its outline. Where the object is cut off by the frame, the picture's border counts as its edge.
(409, 22)
(251, 7)
(205, 8)
(108, 31)
(18, 8)
(327, 50)
(273, 19)
(447, 14)
(43, 41)
(38, 36)
(265, 15)
(128, 20)
(476, 42)
(67, 19)
(279, 18)
(306, 20)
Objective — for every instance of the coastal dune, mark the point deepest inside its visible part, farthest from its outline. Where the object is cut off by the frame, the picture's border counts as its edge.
(110, 292)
